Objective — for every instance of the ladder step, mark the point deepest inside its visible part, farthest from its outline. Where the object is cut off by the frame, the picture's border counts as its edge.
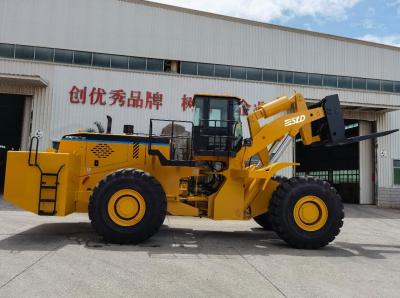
(49, 187)
(47, 200)
(46, 213)
(50, 174)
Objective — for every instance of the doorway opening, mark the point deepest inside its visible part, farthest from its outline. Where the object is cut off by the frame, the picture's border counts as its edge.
(11, 115)
(339, 165)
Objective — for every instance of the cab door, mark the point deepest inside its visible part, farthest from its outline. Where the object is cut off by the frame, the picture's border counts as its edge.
(217, 127)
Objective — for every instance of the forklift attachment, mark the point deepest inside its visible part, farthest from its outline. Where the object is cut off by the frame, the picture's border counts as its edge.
(332, 128)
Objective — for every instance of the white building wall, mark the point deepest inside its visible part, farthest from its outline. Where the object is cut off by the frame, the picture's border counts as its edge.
(367, 165)
(388, 148)
(158, 31)
(387, 151)
(52, 104)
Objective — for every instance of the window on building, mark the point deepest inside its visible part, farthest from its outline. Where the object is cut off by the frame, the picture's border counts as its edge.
(330, 81)
(137, 63)
(172, 66)
(155, 65)
(44, 54)
(24, 52)
(397, 87)
(167, 65)
(192, 68)
(373, 85)
(345, 82)
(346, 176)
(6, 50)
(189, 68)
(359, 83)
(205, 69)
(222, 71)
(300, 78)
(270, 75)
(285, 77)
(101, 60)
(63, 56)
(119, 62)
(315, 79)
(387, 86)
(396, 172)
(238, 72)
(82, 58)
(254, 74)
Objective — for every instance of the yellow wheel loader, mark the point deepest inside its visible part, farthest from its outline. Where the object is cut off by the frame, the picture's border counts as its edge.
(128, 183)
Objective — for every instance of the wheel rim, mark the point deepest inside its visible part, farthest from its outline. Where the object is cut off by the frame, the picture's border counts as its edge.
(126, 207)
(310, 213)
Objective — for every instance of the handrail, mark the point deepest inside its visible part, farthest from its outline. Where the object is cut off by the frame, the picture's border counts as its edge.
(36, 152)
(173, 136)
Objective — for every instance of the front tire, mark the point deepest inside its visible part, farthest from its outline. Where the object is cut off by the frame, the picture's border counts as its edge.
(264, 219)
(306, 213)
(127, 207)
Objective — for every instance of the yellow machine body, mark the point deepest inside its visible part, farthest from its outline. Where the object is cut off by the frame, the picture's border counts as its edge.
(78, 177)
(85, 161)
(22, 181)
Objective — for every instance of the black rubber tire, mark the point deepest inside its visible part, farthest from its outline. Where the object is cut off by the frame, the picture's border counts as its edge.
(151, 191)
(282, 206)
(263, 220)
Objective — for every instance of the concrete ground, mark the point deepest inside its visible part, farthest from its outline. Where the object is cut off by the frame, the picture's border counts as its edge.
(51, 257)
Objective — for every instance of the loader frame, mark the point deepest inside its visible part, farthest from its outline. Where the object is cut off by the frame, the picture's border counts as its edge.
(213, 178)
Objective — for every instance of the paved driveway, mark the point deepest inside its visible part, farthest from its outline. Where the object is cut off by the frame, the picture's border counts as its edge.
(48, 256)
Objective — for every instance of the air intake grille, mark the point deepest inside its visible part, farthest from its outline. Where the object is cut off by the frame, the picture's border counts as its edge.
(135, 151)
(102, 151)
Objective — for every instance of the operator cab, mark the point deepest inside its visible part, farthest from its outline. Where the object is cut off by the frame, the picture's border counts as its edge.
(217, 129)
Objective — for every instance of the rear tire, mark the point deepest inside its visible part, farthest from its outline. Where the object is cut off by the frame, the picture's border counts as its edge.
(306, 213)
(127, 207)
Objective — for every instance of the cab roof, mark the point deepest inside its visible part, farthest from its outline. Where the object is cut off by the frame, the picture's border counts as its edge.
(216, 96)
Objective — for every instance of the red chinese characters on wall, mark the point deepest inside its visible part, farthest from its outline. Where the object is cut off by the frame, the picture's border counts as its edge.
(97, 96)
(77, 95)
(136, 99)
(187, 104)
(153, 100)
(117, 97)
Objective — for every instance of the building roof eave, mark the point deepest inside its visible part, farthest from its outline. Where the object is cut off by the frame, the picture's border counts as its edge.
(26, 80)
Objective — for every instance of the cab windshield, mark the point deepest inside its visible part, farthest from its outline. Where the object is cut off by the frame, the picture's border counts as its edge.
(219, 113)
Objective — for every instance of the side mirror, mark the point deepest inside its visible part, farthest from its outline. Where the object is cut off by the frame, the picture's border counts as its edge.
(247, 142)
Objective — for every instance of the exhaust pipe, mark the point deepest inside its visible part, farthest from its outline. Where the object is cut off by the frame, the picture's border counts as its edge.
(109, 124)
